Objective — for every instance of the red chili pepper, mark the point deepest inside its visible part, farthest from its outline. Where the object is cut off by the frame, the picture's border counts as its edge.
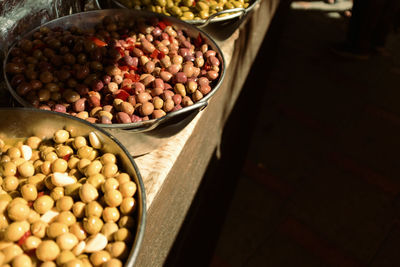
(207, 67)
(194, 3)
(161, 55)
(127, 89)
(133, 68)
(24, 237)
(123, 95)
(66, 157)
(155, 54)
(121, 51)
(123, 68)
(97, 41)
(30, 203)
(199, 40)
(162, 25)
(133, 77)
(40, 194)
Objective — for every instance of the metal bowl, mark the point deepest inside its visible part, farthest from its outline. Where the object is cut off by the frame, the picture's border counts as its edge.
(24, 122)
(140, 137)
(219, 27)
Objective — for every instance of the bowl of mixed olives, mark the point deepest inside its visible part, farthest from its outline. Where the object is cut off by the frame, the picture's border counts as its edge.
(121, 69)
(219, 18)
(70, 193)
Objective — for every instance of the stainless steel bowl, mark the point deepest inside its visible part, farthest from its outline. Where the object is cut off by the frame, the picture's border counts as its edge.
(24, 122)
(219, 27)
(141, 137)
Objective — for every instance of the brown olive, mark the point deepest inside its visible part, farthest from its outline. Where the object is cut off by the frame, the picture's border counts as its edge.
(46, 77)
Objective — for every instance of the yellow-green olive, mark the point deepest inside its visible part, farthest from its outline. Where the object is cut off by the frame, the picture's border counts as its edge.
(10, 183)
(29, 192)
(128, 189)
(78, 208)
(14, 153)
(84, 152)
(78, 231)
(48, 264)
(118, 250)
(63, 151)
(18, 212)
(32, 242)
(96, 180)
(33, 142)
(92, 224)
(56, 229)
(99, 257)
(22, 260)
(66, 217)
(113, 198)
(15, 231)
(59, 165)
(75, 263)
(9, 169)
(93, 208)
(127, 222)
(43, 203)
(79, 141)
(64, 256)
(50, 156)
(93, 168)
(128, 205)
(88, 193)
(82, 164)
(61, 136)
(26, 169)
(109, 170)
(110, 184)
(47, 250)
(57, 192)
(109, 229)
(123, 234)
(113, 263)
(33, 216)
(11, 252)
(108, 158)
(67, 241)
(72, 190)
(65, 203)
(110, 214)
(123, 178)
(45, 168)
(38, 229)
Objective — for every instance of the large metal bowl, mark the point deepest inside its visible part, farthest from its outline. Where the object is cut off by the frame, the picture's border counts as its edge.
(24, 122)
(141, 137)
(219, 27)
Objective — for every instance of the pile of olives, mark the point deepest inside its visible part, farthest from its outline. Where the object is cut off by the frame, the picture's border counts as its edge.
(185, 9)
(63, 202)
(119, 72)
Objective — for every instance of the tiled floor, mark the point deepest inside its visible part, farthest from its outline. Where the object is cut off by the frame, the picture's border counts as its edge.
(321, 182)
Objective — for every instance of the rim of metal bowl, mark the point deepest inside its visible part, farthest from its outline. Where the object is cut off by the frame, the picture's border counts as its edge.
(143, 125)
(213, 18)
(141, 224)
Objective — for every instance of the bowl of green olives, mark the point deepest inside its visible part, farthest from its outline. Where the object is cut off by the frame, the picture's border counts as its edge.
(70, 193)
(210, 15)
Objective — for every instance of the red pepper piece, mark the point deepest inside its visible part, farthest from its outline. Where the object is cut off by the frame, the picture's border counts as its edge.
(133, 68)
(40, 194)
(133, 77)
(123, 68)
(166, 22)
(161, 55)
(30, 203)
(121, 51)
(199, 40)
(207, 67)
(127, 89)
(97, 41)
(66, 157)
(155, 54)
(123, 95)
(24, 237)
(162, 25)
(38, 46)
(194, 3)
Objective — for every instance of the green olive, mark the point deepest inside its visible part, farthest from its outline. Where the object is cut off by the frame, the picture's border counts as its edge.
(108, 230)
(78, 231)
(113, 198)
(88, 193)
(65, 203)
(118, 250)
(99, 257)
(92, 224)
(56, 228)
(22, 260)
(67, 241)
(43, 203)
(47, 250)
(93, 208)
(67, 218)
(61, 136)
(110, 214)
(18, 212)
(78, 208)
(29, 192)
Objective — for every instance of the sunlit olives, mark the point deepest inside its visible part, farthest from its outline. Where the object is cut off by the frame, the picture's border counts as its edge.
(67, 210)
